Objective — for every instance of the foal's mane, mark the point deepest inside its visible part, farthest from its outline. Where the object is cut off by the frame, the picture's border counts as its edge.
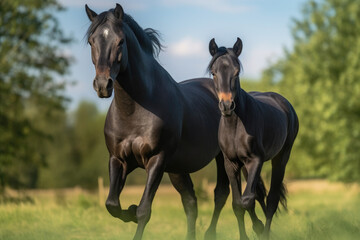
(148, 38)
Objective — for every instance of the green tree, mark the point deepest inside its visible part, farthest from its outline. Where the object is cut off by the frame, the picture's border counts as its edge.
(78, 155)
(31, 89)
(321, 77)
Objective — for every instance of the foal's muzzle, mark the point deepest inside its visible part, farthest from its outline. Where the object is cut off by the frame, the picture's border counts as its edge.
(103, 86)
(227, 107)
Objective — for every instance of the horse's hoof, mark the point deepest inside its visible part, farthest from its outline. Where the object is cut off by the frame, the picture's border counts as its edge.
(242, 237)
(114, 209)
(258, 228)
(210, 235)
(129, 215)
(265, 236)
(132, 211)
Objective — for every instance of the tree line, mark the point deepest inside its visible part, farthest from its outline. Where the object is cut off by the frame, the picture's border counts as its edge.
(42, 144)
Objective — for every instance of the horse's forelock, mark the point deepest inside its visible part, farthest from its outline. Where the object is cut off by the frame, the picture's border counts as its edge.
(220, 52)
(149, 39)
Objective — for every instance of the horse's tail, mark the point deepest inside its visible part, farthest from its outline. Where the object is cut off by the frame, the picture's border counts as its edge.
(293, 129)
(261, 194)
(283, 193)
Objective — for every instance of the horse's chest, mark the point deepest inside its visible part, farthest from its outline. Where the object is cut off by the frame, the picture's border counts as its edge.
(133, 139)
(235, 142)
(139, 148)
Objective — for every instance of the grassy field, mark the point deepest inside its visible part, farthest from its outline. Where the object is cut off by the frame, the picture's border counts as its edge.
(316, 210)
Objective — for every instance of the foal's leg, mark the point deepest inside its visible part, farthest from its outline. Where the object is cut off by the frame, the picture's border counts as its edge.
(233, 172)
(277, 189)
(221, 194)
(155, 170)
(118, 171)
(258, 226)
(253, 167)
(184, 185)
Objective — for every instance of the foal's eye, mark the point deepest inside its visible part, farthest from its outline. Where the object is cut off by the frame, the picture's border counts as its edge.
(121, 42)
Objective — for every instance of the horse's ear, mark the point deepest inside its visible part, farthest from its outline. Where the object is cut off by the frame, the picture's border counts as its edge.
(119, 11)
(90, 13)
(237, 48)
(213, 47)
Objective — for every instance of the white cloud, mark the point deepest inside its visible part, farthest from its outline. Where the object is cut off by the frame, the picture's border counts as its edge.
(187, 47)
(257, 59)
(104, 4)
(225, 6)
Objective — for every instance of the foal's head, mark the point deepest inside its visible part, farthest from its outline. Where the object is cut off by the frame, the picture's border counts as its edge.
(225, 68)
(108, 47)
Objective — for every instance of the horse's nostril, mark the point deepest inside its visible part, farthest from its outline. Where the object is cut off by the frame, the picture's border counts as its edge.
(222, 105)
(232, 106)
(109, 84)
(95, 85)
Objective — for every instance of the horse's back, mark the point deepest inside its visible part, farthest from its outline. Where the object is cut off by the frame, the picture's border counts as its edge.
(201, 116)
(278, 101)
(279, 116)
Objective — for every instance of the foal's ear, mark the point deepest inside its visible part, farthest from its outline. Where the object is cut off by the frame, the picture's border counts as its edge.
(119, 11)
(213, 47)
(90, 13)
(237, 48)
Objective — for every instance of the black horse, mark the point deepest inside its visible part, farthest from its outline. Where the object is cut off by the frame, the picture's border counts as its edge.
(255, 127)
(153, 122)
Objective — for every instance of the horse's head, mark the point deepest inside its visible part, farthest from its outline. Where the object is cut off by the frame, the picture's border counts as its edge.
(225, 69)
(108, 48)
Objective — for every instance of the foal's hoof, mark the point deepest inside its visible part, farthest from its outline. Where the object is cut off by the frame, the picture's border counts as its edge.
(129, 215)
(210, 235)
(258, 228)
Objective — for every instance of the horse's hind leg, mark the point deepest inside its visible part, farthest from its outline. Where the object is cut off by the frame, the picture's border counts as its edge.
(221, 194)
(277, 190)
(184, 185)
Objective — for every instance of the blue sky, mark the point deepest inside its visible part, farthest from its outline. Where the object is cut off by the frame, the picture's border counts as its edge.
(186, 27)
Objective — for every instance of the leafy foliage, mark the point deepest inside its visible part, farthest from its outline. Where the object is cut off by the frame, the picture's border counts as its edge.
(78, 155)
(31, 62)
(320, 76)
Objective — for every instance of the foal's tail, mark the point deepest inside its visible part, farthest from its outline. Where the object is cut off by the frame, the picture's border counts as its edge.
(261, 194)
(283, 193)
(293, 129)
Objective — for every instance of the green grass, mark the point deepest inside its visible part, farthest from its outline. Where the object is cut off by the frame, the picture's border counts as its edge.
(317, 210)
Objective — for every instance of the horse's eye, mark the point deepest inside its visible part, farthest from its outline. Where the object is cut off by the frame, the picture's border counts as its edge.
(121, 42)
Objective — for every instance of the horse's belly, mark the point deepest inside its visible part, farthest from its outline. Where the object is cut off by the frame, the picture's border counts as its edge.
(190, 157)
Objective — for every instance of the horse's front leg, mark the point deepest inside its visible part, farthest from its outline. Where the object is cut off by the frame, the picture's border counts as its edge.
(118, 171)
(155, 170)
(232, 168)
(253, 166)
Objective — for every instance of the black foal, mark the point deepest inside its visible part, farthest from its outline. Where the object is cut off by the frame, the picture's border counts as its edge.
(255, 127)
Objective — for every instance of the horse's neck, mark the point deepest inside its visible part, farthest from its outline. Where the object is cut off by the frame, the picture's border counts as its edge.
(141, 82)
(123, 102)
(241, 102)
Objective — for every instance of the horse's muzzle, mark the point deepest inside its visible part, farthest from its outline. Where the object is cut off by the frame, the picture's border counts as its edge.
(227, 107)
(103, 87)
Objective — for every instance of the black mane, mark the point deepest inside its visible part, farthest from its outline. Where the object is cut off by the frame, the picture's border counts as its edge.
(148, 38)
